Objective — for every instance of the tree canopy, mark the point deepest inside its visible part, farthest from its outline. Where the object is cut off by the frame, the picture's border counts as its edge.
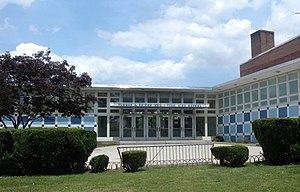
(34, 87)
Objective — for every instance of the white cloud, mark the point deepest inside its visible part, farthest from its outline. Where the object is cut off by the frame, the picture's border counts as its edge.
(23, 3)
(115, 70)
(103, 34)
(6, 25)
(283, 20)
(55, 29)
(200, 36)
(28, 49)
(32, 28)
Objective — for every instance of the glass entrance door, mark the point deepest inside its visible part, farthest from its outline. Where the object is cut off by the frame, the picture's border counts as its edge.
(177, 127)
(152, 127)
(164, 127)
(139, 127)
(188, 127)
(127, 127)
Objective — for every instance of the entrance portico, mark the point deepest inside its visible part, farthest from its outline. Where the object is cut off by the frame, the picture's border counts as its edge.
(158, 121)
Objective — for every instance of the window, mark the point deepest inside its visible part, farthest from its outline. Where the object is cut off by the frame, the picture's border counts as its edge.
(212, 104)
(139, 97)
(102, 126)
(164, 98)
(212, 127)
(127, 97)
(114, 123)
(200, 126)
(176, 98)
(187, 98)
(152, 98)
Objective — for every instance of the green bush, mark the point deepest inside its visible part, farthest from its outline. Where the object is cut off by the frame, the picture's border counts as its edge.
(233, 156)
(278, 138)
(6, 149)
(99, 163)
(45, 151)
(133, 159)
(218, 139)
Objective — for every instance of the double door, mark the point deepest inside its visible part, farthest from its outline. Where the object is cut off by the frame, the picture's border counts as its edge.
(133, 127)
(182, 127)
(157, 127)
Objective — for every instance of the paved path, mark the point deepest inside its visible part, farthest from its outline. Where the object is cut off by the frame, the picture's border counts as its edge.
(112, 152)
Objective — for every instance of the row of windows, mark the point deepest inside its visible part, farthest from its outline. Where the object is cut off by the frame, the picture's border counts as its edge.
(281, 112)
(269, 92)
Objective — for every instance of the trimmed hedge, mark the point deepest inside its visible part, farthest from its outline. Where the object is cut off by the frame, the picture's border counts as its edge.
(279, 139)
(99, 163)
(232, 156)
(133, 160)
(6, 149)
(48, 151)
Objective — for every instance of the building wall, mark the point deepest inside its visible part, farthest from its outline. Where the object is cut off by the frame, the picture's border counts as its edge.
(275, 97)
(278, 55)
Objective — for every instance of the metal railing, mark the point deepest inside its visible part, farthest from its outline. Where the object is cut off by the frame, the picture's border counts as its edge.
(170, 155)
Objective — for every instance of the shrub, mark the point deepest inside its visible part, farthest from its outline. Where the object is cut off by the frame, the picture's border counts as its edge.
(277, 137)
(233, 156)
(39, 151)
(134, 159)
(218, 139)
(99, 163)
(6, 149)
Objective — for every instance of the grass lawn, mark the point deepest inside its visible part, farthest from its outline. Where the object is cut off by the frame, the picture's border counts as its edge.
(195, 178)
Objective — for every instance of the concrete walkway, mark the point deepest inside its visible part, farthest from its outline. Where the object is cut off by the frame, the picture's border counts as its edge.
(112, 152)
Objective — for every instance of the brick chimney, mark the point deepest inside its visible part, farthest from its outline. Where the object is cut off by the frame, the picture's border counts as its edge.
(261, 41)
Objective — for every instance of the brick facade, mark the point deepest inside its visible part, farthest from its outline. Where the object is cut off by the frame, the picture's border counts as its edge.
(278, 55)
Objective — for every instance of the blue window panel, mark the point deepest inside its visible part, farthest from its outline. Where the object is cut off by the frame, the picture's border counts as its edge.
(63, 120)
(239, 138)
(89, 128)
(226, 129)
(239, 118)
(232, 118)
(232, 129)
(246, 116)
(233, 138)
(75, 120)
(253, 139)
(282, 112)
(220, 130)
(273, 113)
(254, 115)
(263, 114)
(247, 138)
(226, 119)
(220, 120)
(226, 138)
(37, 122)
(239, 128)
(247, 128)
(294, 111)
(89, 120)
(24, 119)
(49, 120)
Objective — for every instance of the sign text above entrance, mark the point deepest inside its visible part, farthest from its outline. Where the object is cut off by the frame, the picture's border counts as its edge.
(158, 105)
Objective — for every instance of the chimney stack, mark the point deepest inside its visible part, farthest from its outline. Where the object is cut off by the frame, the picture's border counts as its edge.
(261, 41)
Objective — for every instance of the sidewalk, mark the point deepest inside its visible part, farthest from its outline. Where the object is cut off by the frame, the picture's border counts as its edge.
(112, 152)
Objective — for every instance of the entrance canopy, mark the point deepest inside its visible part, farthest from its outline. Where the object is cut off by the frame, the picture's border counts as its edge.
(158, 105)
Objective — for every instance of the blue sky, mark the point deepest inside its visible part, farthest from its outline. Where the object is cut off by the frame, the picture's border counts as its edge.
(194, 43)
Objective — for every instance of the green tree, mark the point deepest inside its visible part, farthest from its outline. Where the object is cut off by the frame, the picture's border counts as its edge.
(32, 87)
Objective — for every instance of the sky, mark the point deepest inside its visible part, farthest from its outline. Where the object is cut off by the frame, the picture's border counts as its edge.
(174, 43)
